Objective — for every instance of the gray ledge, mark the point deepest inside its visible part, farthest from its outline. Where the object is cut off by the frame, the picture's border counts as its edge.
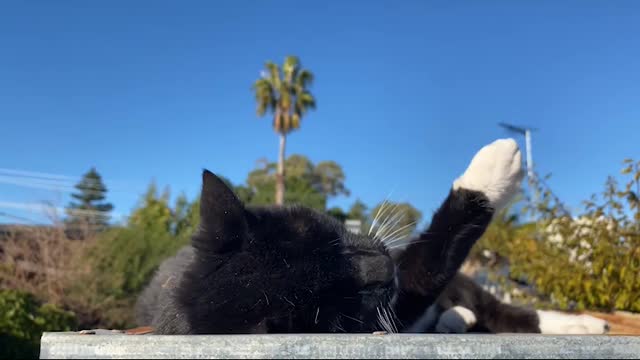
(118, 346)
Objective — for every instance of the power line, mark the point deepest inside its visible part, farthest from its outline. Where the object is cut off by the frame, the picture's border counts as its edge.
(37, 174)
(67, 188)
(46, 186)
(11, 216)
(43, 207)
(56, 179)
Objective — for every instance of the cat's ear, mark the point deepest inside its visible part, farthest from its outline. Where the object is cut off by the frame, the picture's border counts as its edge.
(223, 226)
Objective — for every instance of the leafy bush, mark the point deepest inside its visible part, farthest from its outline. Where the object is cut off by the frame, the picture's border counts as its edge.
(123, 260)
(23, 320)
(585, 261)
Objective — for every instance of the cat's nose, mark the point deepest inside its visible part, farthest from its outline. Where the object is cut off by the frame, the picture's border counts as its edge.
(375, 270)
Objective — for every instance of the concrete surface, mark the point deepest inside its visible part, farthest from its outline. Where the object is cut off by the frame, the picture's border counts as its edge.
(117, 346)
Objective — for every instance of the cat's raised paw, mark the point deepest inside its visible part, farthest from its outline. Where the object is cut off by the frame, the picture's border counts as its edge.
(496, 171)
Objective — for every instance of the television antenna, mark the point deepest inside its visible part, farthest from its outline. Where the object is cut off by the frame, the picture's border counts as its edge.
(527, 136)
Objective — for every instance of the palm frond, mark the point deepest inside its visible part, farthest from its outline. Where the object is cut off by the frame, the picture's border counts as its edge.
(290, 68)
(307, 100)
(265, 96)
(304, 79)
(295, 120)
(274, 74)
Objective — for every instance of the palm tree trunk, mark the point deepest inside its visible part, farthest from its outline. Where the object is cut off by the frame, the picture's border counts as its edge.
(280, 173)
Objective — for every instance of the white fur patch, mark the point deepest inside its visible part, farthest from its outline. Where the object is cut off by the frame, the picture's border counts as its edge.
(496, 171)
(456, 320)
(552, 322)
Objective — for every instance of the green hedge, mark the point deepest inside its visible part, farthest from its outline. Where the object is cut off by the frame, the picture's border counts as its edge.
(23, 320)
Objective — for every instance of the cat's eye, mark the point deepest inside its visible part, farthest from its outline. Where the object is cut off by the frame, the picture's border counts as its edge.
(375, 285)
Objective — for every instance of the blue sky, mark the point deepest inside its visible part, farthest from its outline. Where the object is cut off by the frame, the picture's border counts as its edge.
(407, 91)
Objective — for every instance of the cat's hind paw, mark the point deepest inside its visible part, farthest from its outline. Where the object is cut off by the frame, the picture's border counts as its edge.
(552, 322)
(496, 171)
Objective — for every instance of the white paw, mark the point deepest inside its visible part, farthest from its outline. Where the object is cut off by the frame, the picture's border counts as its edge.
(496, 171)
(456, 320)
(557, 323)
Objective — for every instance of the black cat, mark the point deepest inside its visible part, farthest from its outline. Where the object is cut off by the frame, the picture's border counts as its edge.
(294, 270)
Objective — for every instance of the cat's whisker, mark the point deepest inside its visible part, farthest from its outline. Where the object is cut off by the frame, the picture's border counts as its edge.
(289, 301)
(393, 317)
(391, 223)
(398, 240)
(397, 230)
(335, 242)
(393, 322)
(384, 321)
(387, 317)
(386, 239)
(352, 318)
(396, 243)
(410, 243)
(378, 214)
(380, 321)
(395, 247)
(379, 211)
(387, 220)
(389, 207)
(337, 323)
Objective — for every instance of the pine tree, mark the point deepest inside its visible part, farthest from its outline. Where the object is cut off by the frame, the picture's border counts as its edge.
(88, 210)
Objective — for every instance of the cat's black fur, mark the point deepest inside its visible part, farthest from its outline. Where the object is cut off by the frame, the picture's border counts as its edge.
(492, 315)
(294, 270)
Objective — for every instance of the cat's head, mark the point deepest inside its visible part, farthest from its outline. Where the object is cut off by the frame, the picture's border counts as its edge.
(283, 269)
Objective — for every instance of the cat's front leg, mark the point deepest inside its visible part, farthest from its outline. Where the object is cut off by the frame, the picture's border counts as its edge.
(430, 261)
(456, 320)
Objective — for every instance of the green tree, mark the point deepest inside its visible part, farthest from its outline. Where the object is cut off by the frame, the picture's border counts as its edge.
(89, 207)
(284, 92)
(358, 211)
(337, 213)
(308, 184)
(125, 258)
(390, 221)
(329, 178)
(186, 216)
(244, 193)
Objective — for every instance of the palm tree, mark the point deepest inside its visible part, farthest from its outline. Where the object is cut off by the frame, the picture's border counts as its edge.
(284, 93)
